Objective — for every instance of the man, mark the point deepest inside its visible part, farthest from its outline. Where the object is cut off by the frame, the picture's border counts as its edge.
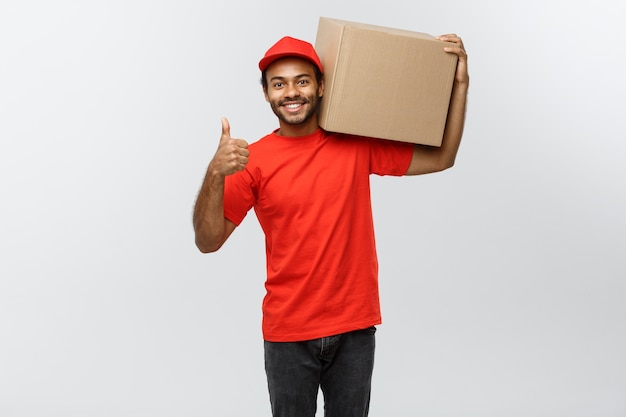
(310, 191)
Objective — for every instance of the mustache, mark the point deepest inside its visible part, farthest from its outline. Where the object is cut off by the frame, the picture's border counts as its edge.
(299, 101)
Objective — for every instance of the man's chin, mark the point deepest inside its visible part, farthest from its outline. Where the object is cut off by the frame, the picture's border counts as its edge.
(294, 119)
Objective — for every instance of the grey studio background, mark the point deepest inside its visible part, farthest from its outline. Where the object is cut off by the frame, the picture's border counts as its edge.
(502, 280)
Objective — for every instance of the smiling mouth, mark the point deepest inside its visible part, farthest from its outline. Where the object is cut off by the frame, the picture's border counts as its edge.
(293, 107)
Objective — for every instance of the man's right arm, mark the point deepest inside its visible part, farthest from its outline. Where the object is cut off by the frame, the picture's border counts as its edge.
(210, 226)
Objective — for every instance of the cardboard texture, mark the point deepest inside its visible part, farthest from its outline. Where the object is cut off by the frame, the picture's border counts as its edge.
(382, 82)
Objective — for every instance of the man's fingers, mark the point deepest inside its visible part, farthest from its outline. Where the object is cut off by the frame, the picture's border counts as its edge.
(241, 144)
(454, 39)
(456, 47)
(449, 37)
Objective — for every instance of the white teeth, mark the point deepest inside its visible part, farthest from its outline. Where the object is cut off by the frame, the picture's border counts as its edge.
(292, 106)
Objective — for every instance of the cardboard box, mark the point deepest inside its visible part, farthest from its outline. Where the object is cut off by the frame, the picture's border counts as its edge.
(383, 82)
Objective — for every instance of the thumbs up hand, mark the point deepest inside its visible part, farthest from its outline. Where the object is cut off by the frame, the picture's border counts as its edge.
(231, 155)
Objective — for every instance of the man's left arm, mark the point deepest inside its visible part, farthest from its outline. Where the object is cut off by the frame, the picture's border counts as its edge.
(427, 159)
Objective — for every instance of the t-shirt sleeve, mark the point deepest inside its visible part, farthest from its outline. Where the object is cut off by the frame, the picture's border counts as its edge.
(390, 157)
(239, 196)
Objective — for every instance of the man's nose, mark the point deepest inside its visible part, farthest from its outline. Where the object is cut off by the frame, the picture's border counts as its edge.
(292, 90)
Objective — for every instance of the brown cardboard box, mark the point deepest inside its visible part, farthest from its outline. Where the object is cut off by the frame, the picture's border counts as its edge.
(382, 82)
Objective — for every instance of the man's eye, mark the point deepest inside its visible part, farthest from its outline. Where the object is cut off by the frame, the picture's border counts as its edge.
(278, 85)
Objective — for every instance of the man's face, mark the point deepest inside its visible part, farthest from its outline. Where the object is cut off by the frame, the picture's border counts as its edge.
(293, 91)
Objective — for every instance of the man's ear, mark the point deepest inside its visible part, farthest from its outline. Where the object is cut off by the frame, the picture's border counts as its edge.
(320, 88)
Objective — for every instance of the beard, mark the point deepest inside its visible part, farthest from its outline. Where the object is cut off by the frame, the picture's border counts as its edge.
(310, 106)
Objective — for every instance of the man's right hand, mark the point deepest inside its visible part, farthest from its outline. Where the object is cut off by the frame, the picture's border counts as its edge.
(231, 155)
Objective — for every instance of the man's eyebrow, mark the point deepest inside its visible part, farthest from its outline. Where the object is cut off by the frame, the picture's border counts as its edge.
(278, 77)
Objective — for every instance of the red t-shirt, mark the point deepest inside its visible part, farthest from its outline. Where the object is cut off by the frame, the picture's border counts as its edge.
(311, 195)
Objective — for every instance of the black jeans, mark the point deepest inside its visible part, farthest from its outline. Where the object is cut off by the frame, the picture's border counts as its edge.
(340, 365)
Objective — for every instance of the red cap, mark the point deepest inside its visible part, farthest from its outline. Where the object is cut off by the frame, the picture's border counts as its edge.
(289, 46)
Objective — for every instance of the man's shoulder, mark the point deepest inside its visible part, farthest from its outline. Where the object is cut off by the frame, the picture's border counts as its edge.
(263, 141)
